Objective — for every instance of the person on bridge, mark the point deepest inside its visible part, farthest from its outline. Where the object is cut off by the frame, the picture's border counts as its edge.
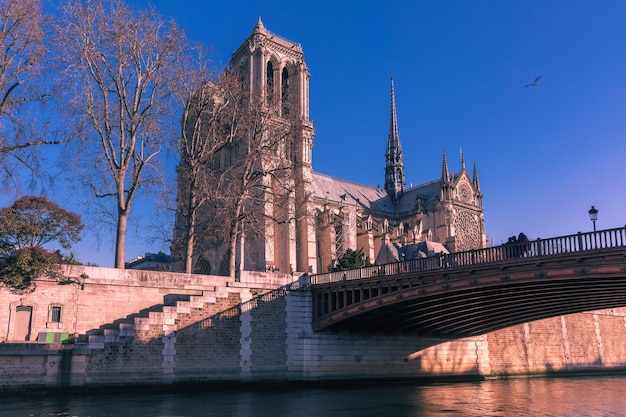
(524, 243)
(510, 247)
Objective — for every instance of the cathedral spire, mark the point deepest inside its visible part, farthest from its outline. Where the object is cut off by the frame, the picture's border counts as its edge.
(475, 180)
(259, 26)
(394, 170)
(445, 175)
(477, 192)
(446, 181)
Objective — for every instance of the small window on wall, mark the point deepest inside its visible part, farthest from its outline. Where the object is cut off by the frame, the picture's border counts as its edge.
(55, 314)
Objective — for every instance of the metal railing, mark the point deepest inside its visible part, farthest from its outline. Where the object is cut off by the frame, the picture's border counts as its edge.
(580, 242)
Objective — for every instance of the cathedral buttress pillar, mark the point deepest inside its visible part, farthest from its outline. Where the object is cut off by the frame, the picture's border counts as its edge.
(305, 218)
(293, 235)
(325, 231)
(365, 238)
(349, 228)
(269, 233)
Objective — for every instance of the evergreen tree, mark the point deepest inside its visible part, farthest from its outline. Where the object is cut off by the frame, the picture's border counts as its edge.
(350, 259)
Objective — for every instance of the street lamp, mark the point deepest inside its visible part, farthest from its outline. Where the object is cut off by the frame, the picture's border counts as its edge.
(593, 215)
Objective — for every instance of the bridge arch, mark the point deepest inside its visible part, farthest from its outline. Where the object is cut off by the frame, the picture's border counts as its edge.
(476, 292)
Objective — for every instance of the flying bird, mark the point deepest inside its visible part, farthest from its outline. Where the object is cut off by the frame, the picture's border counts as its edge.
(534, 83)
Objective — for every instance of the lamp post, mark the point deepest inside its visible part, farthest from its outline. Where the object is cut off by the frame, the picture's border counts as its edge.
(593, 215)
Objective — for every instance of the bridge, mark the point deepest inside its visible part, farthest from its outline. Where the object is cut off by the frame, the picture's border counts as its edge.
(475, 292)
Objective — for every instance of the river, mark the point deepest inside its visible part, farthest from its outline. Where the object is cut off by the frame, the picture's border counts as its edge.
(597, 396)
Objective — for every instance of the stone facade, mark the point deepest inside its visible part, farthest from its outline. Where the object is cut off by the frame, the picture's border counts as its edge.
(138, 327)
(328, 215)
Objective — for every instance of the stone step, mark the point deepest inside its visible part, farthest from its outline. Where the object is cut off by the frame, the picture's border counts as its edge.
(127, 329)
(142, 324)
(198, 301)
(183, 307)
(222, 293)
(111, 335)
(96, 341)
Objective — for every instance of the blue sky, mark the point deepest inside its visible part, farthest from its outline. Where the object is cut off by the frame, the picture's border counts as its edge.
(544, 154)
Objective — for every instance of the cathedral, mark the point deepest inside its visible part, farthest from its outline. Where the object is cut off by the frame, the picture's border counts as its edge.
(329, 215)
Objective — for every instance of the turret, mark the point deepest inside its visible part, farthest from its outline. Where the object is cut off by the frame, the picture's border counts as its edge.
(445, 175)
(446, 183)
(476, 184)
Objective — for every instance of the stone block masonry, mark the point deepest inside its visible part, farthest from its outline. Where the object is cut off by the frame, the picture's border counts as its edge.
(129, 329)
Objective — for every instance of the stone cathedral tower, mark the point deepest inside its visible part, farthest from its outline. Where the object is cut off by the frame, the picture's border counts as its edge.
(274, 69)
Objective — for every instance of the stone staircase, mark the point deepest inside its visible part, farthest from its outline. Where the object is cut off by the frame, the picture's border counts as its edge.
(163, 315)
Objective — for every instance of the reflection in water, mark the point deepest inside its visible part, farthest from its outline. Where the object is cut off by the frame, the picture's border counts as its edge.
(580, 396)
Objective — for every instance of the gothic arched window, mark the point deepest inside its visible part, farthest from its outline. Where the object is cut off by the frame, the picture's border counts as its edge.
(285, 90)
(269, 81)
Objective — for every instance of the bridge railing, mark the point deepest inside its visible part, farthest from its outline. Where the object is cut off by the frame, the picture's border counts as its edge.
(580, 242)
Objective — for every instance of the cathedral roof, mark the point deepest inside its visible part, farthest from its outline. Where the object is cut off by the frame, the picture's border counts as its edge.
(337, 190)
(428, 192)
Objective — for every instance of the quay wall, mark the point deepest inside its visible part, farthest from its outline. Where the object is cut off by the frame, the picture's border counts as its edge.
(127, 327)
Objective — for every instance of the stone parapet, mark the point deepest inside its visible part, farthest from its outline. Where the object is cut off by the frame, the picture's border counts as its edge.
(139, 278)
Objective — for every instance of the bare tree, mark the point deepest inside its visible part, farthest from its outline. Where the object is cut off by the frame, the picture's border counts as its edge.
(255, 189)
(234, 161)
(22, 85)
(125, 65)
(207, 127)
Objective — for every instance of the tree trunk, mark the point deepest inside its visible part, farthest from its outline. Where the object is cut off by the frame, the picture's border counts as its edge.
(120, 239)
(234, 232)
(191, 216)
(233, 250)
(191, 230)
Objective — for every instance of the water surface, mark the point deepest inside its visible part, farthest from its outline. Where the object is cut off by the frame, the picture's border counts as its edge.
(565, 397)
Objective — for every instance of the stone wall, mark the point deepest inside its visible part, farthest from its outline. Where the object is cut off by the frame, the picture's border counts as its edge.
(132, 329)
(586, 341)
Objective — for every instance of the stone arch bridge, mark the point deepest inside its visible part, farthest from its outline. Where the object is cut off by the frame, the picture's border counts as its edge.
(476, 292)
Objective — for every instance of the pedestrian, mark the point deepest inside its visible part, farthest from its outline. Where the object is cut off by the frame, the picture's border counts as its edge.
(524, 243)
